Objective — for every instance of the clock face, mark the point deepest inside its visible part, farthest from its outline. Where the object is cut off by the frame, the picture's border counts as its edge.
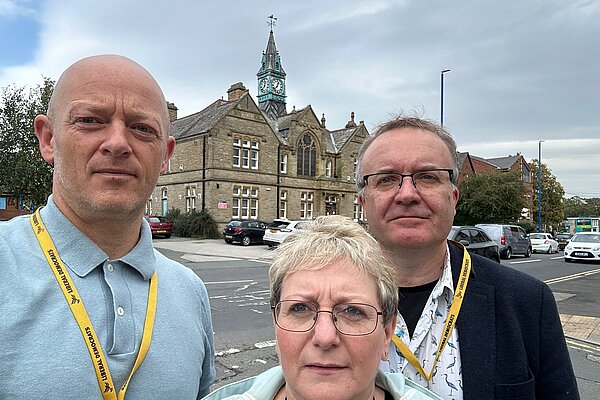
(263, 85)
(277, 86)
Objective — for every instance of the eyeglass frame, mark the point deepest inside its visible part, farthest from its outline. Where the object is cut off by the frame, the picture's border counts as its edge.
(333, 320)
(411, 176)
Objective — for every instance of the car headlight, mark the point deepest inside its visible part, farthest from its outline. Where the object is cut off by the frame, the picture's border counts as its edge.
(569, 247)
(597, 248)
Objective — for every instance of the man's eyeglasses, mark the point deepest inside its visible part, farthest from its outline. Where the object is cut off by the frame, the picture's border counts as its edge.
(422, 180)
(353, 319)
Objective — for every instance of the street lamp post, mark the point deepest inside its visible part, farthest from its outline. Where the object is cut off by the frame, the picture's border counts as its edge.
(442, 96)
(540, 185)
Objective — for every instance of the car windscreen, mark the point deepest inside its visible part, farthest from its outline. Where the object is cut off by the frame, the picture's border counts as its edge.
(586, 238)
(154, 219)
(279, 224)
(234, 223)
(537, 236)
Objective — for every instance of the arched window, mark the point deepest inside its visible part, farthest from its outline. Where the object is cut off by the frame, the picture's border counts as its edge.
(307, 156)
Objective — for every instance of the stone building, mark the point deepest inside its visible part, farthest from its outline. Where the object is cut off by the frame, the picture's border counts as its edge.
(239, 158)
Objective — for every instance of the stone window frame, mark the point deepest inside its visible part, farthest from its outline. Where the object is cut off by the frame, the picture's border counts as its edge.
(245, 202)
(306, 204)
(283, 163)
(306, 155)
(283, 204)
(245, 152)
(190, 198)
(359, 212)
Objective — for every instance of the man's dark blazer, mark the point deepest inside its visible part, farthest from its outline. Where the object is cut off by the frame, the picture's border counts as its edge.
(511, 340)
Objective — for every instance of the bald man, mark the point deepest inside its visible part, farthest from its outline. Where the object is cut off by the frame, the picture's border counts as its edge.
(89, 309)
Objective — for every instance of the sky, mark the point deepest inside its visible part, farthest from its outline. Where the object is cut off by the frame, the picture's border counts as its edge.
(521, 72)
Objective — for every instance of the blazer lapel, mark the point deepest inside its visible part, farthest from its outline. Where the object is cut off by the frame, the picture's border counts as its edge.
(476, 326)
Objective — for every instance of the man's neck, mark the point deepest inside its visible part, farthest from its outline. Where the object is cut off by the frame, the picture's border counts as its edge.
(415, 267)
(116, 235)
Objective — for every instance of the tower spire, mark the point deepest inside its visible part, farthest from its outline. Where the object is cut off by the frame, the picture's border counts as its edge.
(271, 78)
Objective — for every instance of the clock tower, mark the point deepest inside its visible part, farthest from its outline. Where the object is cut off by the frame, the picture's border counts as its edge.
(271, 79)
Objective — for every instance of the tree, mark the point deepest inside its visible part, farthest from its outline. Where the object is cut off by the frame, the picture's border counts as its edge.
(23, 172)
(553, 208)
(490, 198)
(580, 207)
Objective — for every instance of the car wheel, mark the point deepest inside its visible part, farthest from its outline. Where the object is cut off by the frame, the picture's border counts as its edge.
(508, 253)
(528, 253)
(246, 240)
(270, 245)
(168, 235)
(228, 241)
(550, 250)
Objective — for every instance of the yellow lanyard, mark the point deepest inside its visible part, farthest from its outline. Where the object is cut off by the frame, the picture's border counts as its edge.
(448, 326)
(83, 320)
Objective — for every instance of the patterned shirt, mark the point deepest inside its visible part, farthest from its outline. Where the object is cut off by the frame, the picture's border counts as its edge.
(447, 372)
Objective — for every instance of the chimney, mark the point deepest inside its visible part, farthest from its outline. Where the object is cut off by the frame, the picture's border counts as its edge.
(323, 121)
(236, 91)
(351, 123)
(172, 111)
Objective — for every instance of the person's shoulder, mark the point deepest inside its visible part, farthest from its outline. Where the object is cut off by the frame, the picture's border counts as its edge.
(262, 386)
(490, 272)
(402, 388)
(15, 231)
(497, 273)
(176, 273)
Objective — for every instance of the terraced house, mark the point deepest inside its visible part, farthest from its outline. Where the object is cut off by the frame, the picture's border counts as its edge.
(247, 159)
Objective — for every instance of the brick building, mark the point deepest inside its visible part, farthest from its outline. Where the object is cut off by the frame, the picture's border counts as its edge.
(239, 158)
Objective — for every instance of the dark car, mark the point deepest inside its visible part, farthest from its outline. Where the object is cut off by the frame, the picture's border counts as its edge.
(159, 226)
(476, 241)
(511, 239)
(245, 232)
(563, 240)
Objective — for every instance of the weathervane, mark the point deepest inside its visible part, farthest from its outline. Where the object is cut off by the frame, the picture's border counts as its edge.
(272, 21)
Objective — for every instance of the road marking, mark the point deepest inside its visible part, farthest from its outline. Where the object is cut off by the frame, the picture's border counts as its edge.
(589, 347)
(570, 277)
(225, 282)
(524, 262)
(557, 257)
(227, 352)
(262, 345)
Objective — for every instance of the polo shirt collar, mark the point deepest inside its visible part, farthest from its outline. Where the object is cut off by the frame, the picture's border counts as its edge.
(82, 255)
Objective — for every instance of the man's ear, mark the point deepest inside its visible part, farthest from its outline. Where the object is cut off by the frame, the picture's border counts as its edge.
(45, 134)
(168, 154)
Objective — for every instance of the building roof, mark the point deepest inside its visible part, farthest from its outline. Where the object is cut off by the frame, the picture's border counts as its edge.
(503, 162)
(202, 121)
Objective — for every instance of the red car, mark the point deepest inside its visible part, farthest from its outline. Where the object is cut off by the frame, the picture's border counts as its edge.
(159, 226)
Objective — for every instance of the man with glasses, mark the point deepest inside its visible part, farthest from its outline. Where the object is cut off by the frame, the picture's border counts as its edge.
(468, 328)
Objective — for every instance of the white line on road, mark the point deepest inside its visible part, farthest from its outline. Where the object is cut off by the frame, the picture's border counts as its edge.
(262, 345)
(524, 262)
(574, 276)
(557, 257)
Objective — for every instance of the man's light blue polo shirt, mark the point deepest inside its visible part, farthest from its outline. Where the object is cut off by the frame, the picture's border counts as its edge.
(42, 351)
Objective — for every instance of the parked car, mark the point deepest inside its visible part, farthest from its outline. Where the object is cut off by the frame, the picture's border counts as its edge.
(245, 232)
(543, 243)
(279, 230)
(511, 239)
(159, 226)
(563, 239)
(583, 246)
(476, 241)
